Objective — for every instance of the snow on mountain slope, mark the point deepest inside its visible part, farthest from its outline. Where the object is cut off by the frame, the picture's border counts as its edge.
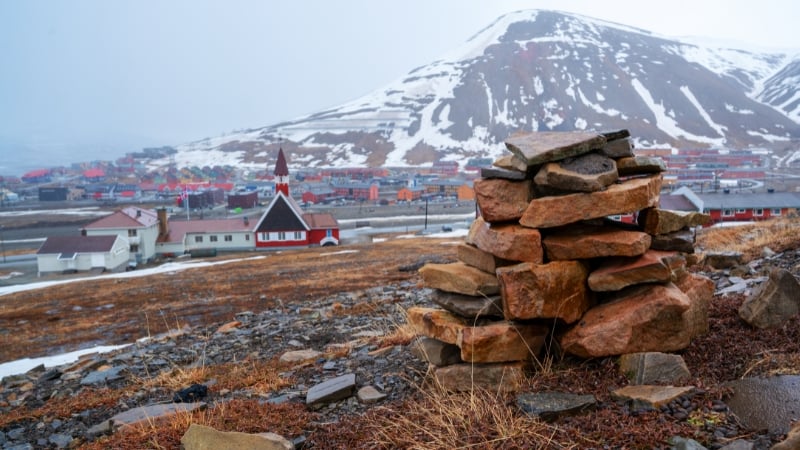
(542, 71)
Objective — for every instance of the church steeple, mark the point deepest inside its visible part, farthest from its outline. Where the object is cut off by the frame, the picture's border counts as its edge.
(281, 174)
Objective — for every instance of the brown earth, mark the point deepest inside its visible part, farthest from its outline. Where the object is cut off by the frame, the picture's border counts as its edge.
(108, 311)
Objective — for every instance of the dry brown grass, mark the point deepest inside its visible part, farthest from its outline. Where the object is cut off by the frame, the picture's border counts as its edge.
(63, 407)
(750, 239)
(243, 415)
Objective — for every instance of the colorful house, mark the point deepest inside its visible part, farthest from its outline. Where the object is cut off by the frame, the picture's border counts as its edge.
(746, 207)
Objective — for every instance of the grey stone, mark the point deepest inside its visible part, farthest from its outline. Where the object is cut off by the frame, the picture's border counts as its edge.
(636, 165)
(300, 355)
(619, 148)
(151, 412)
(103, 376)
(679, 241)
(648, 396)
(740, 444)
(332, 390)
(771, 403)
(550, 406)
(468, 306)
(654, 368)
(60, 440)
(435, 351)
(368, 394)
(773, 302)
(542, 147)
(585, 173)
(505, 174)
(680, 443)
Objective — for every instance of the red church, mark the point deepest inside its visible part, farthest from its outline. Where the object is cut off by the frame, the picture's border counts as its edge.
(284, 224)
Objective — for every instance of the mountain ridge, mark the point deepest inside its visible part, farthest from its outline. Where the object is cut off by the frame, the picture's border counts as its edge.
(537, 70)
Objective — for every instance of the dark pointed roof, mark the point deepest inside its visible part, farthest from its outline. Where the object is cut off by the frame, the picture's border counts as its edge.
(281, 169)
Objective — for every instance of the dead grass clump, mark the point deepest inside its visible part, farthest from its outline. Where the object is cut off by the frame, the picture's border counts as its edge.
(258, 376)
(437, 419)
(778, 234)
(242, 415)
(62, 408)
(400, 335)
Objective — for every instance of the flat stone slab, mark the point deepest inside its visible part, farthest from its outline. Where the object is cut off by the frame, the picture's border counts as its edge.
(504, 377)
(550, 406)
(766, 403)
(634, 165)
(654, 368)
(619, 148)
(503, 174)
(586, 242)
(469, 306)
(368, 394)
(648, 396)
(201, 437)
(332, 390)
(542, 147)
(585, 173)
(103, 376)
(459, 278)
(146, 413)
(501, 200)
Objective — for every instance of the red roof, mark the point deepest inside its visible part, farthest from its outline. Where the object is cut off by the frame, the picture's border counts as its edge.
(281, 169)
(94, 173)
(130, 217)
(37, 173)
(320, 220)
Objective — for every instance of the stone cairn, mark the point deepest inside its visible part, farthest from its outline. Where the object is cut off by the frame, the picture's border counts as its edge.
(544, 267)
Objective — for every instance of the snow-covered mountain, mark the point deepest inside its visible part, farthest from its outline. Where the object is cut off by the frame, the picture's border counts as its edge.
(547, 71)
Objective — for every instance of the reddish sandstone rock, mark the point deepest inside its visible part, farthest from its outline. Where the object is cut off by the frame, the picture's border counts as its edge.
(501, 342)
(502, 200)
(436, 323)
(503, 377)
(544, 291)
(629, 196)
(700, 291)
(585, 242)
(614, 274)
(639, 319)
(459, 278)
(479, 259)
(662, 221)
(511, 242)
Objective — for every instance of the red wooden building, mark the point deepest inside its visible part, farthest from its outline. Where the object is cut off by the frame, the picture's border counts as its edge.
(747, 207)
(284, 224)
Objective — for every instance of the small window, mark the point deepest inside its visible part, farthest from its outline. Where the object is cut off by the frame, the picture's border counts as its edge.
(329, 232)
(246, 237)
(281, 235)
(198, 239)
(727, 213)
(740, 211)
(134, 248)
(212, 238)
(228, 238)
(131, 233)
(758, 212)
(298, 235)
(775, 212)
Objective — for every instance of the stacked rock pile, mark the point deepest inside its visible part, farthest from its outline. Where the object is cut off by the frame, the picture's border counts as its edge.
(545, 264)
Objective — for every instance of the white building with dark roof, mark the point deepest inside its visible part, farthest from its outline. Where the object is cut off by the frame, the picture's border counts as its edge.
(137, 226)
(60, 254)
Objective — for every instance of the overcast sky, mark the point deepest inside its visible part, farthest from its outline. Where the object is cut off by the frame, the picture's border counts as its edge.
(99, 78)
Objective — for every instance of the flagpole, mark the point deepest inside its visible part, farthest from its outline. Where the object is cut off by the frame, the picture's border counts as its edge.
(186, 201)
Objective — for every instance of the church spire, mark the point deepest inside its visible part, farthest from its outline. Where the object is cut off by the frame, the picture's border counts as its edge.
(281, 174)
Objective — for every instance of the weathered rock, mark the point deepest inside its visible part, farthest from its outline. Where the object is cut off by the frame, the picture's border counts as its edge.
(628, 196)
(556, 290)
(722, 260)
(459, 278)
(682, 443)
(773, 302)
(300, 355)
(647, 318)
(511, 163)
(679, 241)
(435, 351)
(792, 441)
(650, 397)
(664, 221)
(143, 414)
(436, 323)
(585, 173)
(504, 174)
(103, 375)
(368, 394)
(550, 406)
(509, 242)
(542, 147)
(700, 291)
(635, 165)
(468, 306)
(201, 437)
(614, 274)
(501, 377)
(502, 200)
(616, 134)
(619, 148)
(228, 327)
(585, 242)
(654, 368)
(501, 342)
(479, 259)
(332, 390)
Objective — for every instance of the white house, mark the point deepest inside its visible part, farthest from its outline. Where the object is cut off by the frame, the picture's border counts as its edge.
(61, 254)
(139, 227)
(183, 236)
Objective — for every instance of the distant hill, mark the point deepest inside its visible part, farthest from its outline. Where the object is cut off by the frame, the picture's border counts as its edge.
(547, 71)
